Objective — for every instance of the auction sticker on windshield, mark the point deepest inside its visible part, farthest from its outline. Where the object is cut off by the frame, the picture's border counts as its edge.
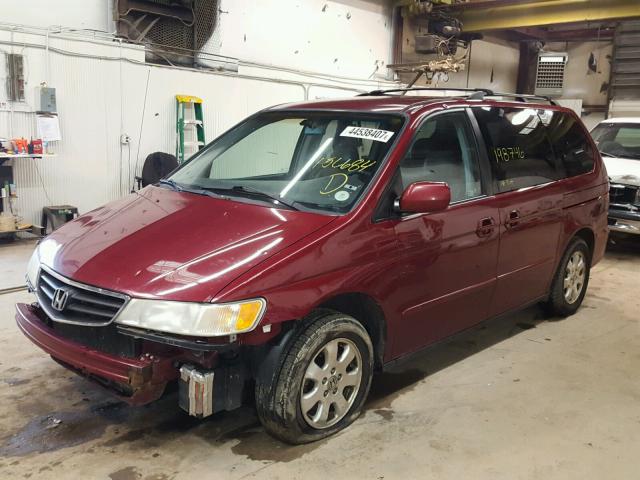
(368, 133)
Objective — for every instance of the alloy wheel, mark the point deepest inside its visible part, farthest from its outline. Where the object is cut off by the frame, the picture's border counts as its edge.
(574, 277)
(331, 383)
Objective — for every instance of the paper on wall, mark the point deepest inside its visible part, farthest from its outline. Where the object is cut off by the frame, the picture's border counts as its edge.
(48, 128)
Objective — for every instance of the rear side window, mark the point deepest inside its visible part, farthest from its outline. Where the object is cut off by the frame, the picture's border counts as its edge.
(569, 142)
(518, 148)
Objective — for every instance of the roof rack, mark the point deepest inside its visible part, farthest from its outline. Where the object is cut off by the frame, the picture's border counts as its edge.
(485, 91)
(522, 97)
(474, 93)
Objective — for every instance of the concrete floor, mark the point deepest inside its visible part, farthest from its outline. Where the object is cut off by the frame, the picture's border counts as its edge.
(516, 398)
(14, 257)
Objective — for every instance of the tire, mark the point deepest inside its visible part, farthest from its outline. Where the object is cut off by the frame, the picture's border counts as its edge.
(573, 273)
(301, 389)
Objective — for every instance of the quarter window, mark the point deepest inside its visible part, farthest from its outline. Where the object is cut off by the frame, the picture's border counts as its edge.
(444, 151)
(517, 146)
(569, 142)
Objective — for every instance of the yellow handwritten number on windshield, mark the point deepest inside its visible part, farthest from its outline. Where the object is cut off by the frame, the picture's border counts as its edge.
(336, 182)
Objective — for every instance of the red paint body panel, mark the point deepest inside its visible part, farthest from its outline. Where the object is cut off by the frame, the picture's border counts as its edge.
(164, 244)
(431, 274)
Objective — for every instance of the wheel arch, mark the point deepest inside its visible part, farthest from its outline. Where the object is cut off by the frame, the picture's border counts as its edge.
(365, 310)
(588, 236)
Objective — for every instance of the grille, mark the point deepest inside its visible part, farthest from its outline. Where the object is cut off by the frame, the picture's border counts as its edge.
(105, 339)
(206, 16)
(623, 194)
(66, 301)
(171, 32)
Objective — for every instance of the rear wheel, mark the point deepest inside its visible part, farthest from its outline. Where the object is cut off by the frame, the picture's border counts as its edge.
(322, 381)
(570, 282)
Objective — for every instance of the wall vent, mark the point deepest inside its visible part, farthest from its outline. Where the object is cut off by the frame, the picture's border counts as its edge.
(174, 31)
(550, 73)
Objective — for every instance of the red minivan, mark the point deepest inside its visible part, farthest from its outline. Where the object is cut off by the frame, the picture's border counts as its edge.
(315, 243)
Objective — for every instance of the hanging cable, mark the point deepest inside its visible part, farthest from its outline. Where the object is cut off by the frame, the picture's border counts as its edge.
(144, 107)
(46, 194)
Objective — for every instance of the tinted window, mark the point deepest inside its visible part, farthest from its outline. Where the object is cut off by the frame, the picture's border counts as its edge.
(518, 148)
(569, 142)
(444, 151)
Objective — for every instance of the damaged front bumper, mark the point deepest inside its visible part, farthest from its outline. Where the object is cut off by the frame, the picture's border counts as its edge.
(134, 380)
(624, 208)
(142, 379)
(624, 221)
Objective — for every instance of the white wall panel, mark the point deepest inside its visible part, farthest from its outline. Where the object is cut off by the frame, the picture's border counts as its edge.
(338, 37)
(87, 14)
(100, 97)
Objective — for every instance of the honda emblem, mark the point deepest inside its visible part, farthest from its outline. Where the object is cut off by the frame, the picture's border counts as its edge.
(59, 300)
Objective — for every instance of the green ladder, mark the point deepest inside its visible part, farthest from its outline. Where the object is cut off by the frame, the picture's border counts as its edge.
(189, 119)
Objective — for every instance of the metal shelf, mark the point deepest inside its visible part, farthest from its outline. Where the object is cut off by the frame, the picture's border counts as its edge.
(7, 156)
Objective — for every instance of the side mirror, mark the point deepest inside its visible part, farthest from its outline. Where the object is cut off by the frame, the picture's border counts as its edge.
(425, 197)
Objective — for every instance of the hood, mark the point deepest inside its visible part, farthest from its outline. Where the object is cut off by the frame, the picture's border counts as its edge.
(625, 171)
(170, 245)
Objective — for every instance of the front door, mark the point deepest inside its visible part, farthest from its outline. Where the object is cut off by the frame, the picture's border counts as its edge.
(525, 171)
(448, 258)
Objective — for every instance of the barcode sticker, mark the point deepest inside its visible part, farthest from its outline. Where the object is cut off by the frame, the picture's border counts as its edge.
(368, 133)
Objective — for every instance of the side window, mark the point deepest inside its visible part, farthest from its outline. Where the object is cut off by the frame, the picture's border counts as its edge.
(517, 147)
(569, 142)
(444, 151)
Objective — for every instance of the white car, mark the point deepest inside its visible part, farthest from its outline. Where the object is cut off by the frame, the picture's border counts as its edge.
(618, 140)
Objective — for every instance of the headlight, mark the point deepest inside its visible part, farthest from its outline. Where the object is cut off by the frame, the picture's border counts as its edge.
(33, 267)
(195, 319)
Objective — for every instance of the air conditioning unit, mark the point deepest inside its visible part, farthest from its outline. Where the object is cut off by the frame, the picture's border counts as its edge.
(550, 73)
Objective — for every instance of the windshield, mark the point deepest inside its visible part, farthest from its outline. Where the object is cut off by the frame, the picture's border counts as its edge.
(618, 139)
(308, 161)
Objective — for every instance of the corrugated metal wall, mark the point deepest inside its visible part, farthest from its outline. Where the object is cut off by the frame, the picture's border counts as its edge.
(100, 97)
(626, 61)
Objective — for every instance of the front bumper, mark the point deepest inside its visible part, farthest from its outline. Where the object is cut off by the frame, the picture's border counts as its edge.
(624, 221)
(134, 380)
(142, 379)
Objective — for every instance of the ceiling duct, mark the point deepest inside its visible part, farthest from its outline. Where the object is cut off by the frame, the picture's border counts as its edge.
(174, 31)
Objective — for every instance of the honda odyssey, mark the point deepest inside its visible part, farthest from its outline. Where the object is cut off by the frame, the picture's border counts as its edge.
(316, 243)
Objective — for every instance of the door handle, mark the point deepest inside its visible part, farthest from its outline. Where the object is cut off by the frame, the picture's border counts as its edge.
(485, 227)
(513, 220)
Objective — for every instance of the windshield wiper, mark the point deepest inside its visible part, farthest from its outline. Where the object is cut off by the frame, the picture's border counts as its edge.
(171, 183)
(196, 191)
(260, 193)
(607, 154)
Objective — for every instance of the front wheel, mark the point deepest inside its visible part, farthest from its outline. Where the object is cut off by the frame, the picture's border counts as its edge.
(570, 282)
(322, 381)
